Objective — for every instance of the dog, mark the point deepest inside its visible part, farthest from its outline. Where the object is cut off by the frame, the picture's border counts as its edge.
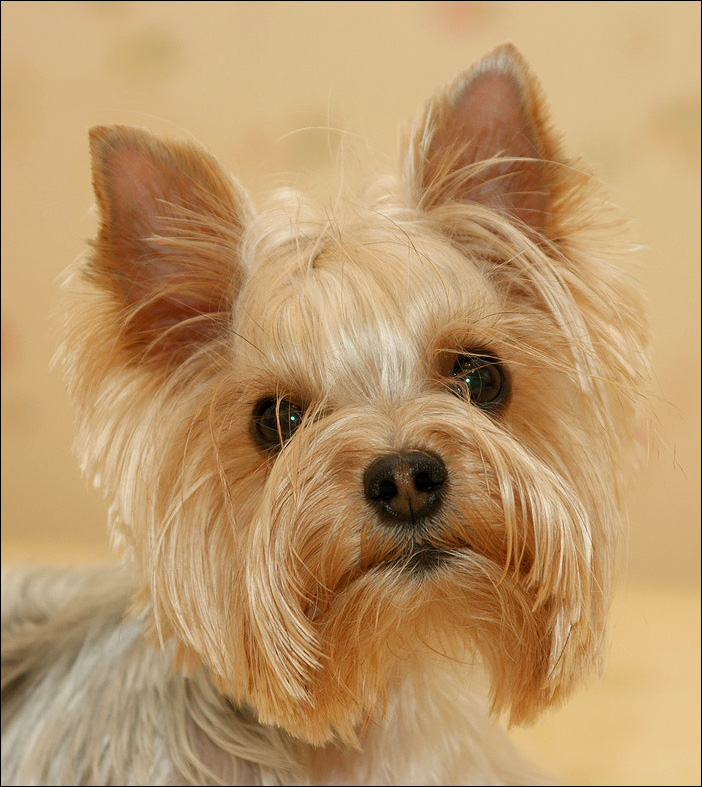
(366, 468)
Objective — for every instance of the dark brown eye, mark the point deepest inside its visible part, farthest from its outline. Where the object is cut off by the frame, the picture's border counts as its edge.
(480, 379)
(275, 421)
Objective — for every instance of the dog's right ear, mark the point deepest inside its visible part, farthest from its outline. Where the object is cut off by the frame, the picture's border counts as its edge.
(168, 249)
(487, 140)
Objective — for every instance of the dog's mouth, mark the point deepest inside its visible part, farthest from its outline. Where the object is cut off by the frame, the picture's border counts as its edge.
(418, 560)
(424, 552)
(423, 559)
(432, 549)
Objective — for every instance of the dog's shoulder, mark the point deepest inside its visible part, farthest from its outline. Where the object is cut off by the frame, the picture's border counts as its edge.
(47, 610)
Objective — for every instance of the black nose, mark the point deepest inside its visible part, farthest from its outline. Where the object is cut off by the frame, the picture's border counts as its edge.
(405, 488)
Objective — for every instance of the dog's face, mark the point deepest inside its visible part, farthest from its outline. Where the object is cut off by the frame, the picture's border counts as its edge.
(336, 446)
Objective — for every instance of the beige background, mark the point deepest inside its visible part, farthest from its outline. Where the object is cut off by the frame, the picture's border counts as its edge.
(623, 82)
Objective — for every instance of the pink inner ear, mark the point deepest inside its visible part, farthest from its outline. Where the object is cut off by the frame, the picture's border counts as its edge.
(491, 111)
(135, 193)
(489, 118)
(167, 245)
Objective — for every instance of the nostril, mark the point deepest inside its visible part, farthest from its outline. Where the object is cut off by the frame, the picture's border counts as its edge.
(386, 490)
(379, 479)
(424, 483)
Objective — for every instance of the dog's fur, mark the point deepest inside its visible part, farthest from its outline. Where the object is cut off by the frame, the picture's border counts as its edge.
(366, 468)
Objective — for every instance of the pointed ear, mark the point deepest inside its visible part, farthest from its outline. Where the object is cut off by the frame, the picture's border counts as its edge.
(485, 139)
(168, 249)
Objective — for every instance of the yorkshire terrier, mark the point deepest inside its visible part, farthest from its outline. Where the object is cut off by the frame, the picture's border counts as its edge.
(366, 469)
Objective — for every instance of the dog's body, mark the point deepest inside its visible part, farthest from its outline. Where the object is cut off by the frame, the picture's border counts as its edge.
(366, 469)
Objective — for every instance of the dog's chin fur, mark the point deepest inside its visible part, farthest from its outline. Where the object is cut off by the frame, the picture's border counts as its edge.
(151, 722)
(276, 624)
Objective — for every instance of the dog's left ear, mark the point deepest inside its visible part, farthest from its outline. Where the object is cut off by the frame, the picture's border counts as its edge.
(486, 139)
(167, 257)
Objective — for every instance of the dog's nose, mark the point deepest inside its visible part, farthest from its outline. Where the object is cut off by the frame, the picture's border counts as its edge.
(405, 488)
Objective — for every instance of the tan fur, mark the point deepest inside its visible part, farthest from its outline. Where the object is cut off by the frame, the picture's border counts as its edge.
(264, 575)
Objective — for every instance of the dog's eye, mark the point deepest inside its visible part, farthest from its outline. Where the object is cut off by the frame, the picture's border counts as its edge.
(276, 420)
(481, 379)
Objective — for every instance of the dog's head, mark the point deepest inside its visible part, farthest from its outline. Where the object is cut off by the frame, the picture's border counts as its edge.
(336, 444)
